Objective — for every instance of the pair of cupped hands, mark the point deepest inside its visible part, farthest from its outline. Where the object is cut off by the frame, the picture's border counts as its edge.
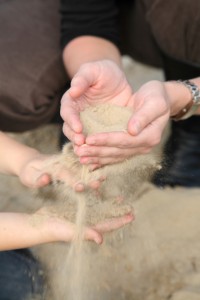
(104, 82)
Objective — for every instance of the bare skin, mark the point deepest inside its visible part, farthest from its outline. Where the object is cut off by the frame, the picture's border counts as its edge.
(103, 81)
(144, 129)
(19, 230)
(92, 49)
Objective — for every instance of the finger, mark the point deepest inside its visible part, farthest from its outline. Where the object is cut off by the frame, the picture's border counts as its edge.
(77, 139)
(70, 113)
(151, 135)
(95, 184)
(93, 151)
(91, 234)
(68, 132)
(117, 139)
(85, 78)
(41, 181)
(147, 138)
(79, 187)
(93, 167)
(148, 113)
(114, 223)
(102, 161)
(79, 85)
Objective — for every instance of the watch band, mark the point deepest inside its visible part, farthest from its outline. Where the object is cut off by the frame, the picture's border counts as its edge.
(192, 106)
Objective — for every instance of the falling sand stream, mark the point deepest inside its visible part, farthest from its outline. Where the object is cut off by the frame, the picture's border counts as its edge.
(80, 270)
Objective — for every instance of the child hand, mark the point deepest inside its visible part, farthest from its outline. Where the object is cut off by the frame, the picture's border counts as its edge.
(39, 171)
(61, 230)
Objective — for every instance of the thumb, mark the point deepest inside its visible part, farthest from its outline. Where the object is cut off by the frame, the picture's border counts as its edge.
(144, 116)
(87, 76)
(82, 81)
(42, 180)
(79, 86)
(92, 235)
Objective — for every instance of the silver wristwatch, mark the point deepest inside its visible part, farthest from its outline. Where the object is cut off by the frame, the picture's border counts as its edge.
(193, 105)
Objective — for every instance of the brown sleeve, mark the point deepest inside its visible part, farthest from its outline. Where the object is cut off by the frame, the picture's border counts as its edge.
(175, 25)
(31, 72)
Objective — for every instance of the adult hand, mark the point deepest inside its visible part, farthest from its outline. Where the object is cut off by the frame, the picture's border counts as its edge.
(151, 110)
(95, 83)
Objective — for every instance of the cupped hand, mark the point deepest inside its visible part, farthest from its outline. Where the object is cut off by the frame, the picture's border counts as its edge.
(95, 83)
(151, 106)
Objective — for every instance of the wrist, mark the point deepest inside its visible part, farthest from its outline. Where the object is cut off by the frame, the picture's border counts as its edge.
(54, 227)
(26, 156)
(46, 225)
(92, 49)
(179, 96)
(57, 229)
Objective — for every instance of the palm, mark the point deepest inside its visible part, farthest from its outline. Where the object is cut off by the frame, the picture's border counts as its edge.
(95, 83)
(99, 83)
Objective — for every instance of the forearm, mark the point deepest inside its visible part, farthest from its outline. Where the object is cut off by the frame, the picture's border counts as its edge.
(20, 230)
(179, 95)
(13, 155)
(86, 49)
